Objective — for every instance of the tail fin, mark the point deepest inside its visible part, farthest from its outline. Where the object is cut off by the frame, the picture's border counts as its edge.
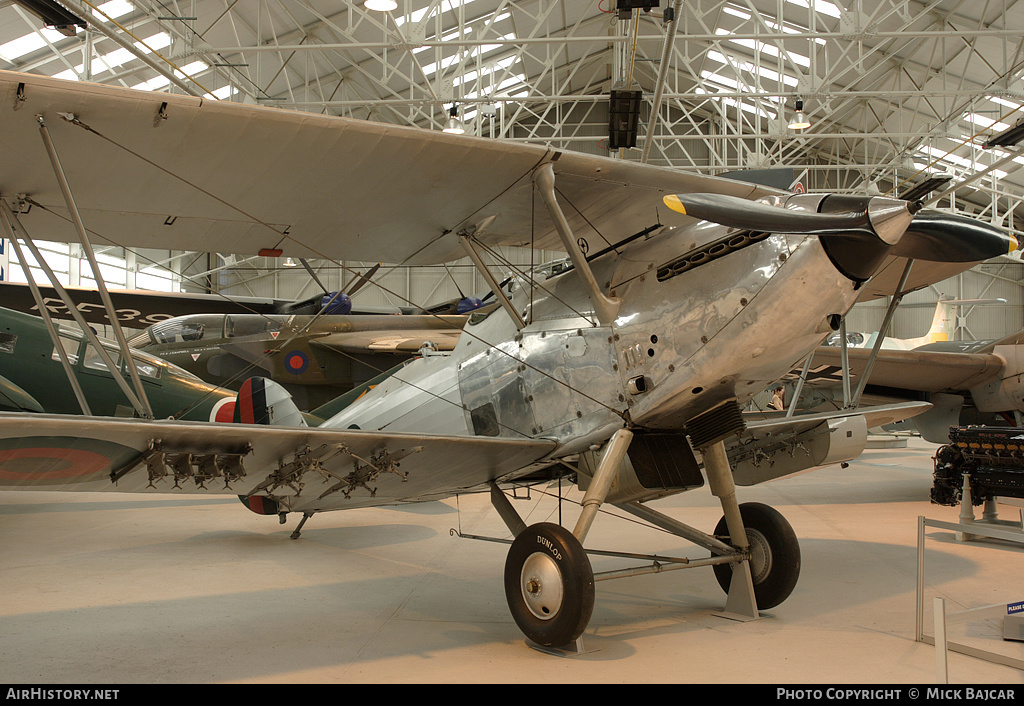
(263, 401)
(943, 321)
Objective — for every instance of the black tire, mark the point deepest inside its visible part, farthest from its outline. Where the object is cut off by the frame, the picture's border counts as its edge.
(775, 562)
(549, 585)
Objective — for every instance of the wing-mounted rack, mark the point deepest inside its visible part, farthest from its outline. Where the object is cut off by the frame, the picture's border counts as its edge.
(291, 474)
(184, 465)
(381, 462)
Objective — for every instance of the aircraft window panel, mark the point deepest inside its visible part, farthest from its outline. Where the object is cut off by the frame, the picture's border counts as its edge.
(147, 369)
(93, 361)
(71, 346)
(186, 329)
(238, 326)
(7, 342)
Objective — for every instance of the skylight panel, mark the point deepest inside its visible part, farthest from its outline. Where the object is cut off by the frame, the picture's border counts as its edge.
(115, 8)
(787, 27)
(474, 74)
(1005, 103)
(117, 57)
(432, 68)
(957, 161)
(196, 67)
(750, 68)
(223, 93)
(154, 84)
(29, 43)
(820, 6)
(763, 48)
(418, 15)
(742, 105)
(986, 123)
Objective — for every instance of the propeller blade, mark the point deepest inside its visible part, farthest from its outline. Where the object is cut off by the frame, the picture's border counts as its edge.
(852, 215)
(313, 275)
(363, 279)
(946, 237)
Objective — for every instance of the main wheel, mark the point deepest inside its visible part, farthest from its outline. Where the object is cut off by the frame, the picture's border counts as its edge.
(549, 585)
(775, 554)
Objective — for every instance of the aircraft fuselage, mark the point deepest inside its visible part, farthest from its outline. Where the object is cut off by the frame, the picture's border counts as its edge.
(687, 336)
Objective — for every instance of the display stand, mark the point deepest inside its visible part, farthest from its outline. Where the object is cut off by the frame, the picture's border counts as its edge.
(942, 645)
(989, 516)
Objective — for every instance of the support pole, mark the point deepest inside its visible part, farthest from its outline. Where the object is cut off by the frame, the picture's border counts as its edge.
(723, 487)
(741, 603)
(663, 69)
(799, 385)
(607, 472)
(97, 274)
(605, 307)
(505, 510)
(72, 309)
(889, 313)
(844, 356)
(467, 245)
(44, 312)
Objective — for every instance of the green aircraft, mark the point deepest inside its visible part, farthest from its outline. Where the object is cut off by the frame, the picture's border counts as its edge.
(33, 378)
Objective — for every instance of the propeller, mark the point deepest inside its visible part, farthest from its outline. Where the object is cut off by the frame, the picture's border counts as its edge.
(930, 235)
(845, 214)
(948, 237)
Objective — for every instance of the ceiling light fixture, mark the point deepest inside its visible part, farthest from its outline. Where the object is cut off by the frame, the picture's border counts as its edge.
(1007, 138)
(454, 125)
(799, 121)
(380, 5)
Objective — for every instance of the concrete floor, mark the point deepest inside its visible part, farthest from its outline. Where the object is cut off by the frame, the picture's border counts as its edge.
(131, 589)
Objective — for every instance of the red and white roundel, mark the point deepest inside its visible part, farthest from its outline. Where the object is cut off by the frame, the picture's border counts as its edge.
(223, 410)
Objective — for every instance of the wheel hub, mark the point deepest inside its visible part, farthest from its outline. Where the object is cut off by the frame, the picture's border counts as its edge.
(541, 584)
(760, 556)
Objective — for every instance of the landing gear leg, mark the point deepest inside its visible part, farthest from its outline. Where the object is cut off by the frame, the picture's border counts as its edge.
(549, 583)
(770, 573)
(740, 603)
(298, 528)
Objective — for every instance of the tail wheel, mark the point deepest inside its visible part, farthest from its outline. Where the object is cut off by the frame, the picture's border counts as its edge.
(549, 585)
(775, 554)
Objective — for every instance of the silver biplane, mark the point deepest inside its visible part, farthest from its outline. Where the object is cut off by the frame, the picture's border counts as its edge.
(624, 368)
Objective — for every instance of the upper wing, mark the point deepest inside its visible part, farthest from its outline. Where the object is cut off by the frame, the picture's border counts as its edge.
(179, 172)
(304, 469)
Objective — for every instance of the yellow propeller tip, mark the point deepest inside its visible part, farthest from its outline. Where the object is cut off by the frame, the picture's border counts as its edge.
(1014, 243)
(673, 202)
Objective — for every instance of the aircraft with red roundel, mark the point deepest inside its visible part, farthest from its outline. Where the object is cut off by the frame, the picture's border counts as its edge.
(623, 369)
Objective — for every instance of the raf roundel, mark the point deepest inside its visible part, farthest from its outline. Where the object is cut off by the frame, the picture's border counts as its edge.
(296, 362)
(54, 461)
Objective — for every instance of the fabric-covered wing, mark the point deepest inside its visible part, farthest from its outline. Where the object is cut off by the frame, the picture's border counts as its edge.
(304, 469)
(920, 371)
(179, 172)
